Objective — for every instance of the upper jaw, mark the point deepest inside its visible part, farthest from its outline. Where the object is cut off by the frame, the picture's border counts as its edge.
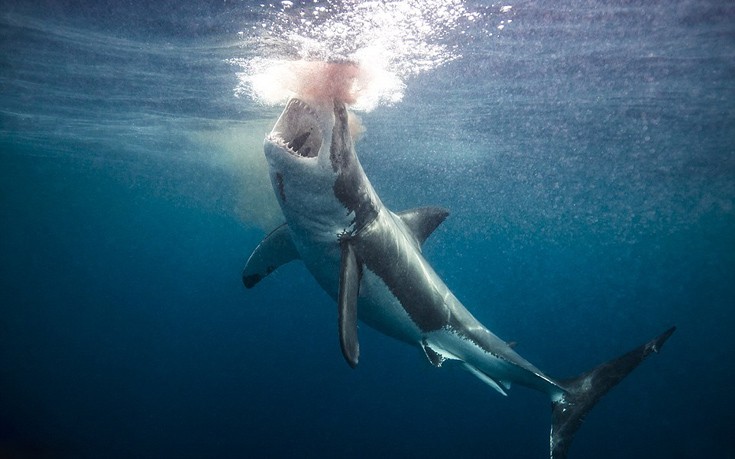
(298, 130)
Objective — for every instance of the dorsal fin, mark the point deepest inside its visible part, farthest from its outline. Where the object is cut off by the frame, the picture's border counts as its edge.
(275, 250)
(422, 221)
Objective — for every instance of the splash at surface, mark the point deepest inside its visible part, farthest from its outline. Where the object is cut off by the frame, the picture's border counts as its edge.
(358, 85)
(360, 52)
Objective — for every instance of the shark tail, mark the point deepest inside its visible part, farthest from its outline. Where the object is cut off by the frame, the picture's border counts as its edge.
(583, 392)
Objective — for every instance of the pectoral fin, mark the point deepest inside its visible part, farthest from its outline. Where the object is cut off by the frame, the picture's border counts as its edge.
(349, 283)
(274, 250)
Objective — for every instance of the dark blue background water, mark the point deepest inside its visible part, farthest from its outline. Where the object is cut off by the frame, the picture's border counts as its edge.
(587, 155)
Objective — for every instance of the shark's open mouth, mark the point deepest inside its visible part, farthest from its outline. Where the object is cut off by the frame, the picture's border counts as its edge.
(297, 130)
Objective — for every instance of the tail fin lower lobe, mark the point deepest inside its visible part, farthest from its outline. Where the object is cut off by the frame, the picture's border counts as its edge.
(582, 392)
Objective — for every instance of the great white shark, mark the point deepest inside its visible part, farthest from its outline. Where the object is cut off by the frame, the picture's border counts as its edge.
(369, 260)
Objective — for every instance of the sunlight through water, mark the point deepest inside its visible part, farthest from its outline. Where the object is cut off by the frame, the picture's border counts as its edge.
(386, 41)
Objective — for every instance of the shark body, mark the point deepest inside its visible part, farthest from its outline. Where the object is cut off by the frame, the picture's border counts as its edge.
(369, 260)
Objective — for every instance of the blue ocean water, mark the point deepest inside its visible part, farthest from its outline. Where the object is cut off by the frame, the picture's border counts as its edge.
(586, 151)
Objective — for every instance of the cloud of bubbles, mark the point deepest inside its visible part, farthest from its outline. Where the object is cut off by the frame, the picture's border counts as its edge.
(386, 41)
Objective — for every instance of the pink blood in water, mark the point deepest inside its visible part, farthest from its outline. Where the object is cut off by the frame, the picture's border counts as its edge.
(327, 81)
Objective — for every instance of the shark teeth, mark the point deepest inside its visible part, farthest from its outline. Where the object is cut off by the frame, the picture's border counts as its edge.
(299, 141)
(298, 130)
(277, 138)
(303, 106)
(296, 146)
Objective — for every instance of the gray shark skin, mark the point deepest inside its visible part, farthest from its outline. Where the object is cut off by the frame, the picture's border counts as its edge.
(369, 260)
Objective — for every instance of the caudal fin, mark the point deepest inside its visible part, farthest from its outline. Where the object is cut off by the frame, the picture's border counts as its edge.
(585, 390)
